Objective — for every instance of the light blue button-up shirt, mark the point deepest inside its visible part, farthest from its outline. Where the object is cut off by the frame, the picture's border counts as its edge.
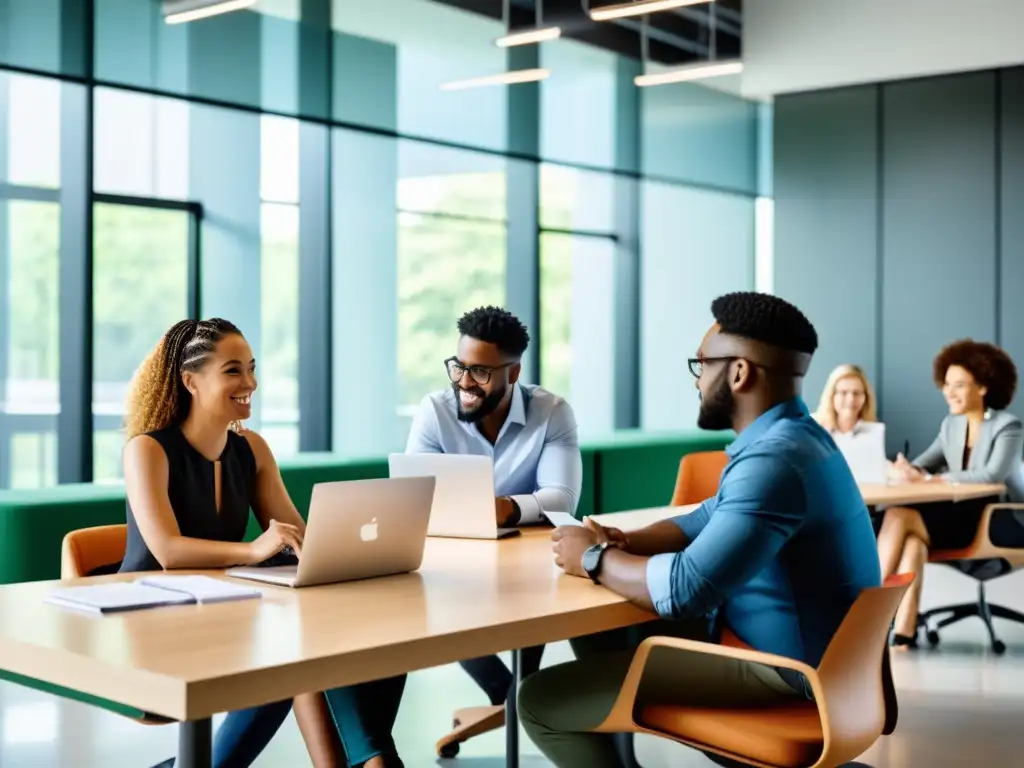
(536, 456)
(783, 549)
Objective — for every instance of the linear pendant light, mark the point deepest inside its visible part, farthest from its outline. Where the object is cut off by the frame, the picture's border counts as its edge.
(690, 72)
(182, 11)
(639, 8)
(538, 34)
(529, 36)
(502, 78)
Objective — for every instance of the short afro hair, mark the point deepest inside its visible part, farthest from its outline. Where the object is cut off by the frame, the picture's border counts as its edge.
(496, 326)
(990, 366)
(765, 318)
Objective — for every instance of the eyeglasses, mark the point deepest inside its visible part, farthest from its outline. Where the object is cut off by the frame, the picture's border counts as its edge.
(481, 374)
(697, 363)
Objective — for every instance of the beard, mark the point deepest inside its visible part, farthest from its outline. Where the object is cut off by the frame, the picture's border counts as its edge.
(717, 409)
(488, 403)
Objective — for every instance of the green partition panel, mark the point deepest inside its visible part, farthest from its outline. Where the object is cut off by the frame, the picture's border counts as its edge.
(628, 470)
(637, 469)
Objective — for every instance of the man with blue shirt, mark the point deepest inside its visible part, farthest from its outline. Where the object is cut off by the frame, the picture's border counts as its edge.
(529, 433)
(778, 555)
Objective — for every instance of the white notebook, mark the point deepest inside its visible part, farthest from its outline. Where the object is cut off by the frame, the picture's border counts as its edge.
(150, 592)
(116, 596)
(203, 589)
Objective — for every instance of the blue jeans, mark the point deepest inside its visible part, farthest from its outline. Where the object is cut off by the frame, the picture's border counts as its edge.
(364, 715)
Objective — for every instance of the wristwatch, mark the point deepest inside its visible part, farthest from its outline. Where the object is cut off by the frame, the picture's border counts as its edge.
(592, 558)
(517, 514)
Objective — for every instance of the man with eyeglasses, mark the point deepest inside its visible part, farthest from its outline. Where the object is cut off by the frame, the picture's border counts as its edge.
(529, 433)
(778, 556)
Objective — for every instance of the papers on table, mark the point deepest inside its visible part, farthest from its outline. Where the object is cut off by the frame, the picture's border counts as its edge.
(559, 519)
(149, 592)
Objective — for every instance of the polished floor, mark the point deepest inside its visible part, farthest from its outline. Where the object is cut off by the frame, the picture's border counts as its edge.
(959, 706)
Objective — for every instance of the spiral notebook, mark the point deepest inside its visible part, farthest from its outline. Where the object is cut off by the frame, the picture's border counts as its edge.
(150, 592)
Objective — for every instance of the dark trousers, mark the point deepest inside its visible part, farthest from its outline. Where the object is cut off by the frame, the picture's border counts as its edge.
(494, 678)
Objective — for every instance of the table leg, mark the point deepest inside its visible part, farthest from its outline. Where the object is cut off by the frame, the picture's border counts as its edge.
(195, 744)
(512, 713)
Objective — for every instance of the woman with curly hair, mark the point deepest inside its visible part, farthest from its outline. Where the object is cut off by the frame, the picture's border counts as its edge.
(978, 442)
(192, 475)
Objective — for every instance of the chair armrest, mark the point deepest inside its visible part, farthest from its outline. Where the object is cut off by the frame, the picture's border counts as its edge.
(982, 545)
(621, 716)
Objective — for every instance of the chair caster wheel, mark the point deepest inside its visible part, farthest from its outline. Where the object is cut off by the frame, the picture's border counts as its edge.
(998, 647)
(449, 751)
(933, 638)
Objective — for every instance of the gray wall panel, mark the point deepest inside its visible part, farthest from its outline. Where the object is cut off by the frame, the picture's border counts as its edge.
(938, 238)
(826, 211)
(1011, 321)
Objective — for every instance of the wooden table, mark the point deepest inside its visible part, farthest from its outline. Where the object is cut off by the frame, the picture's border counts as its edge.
(469, 599)
(900, 494)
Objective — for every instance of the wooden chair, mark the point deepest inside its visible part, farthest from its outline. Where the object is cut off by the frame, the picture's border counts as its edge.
(983, 561)
(698, 477)
(697, 480)
(88, 549)
(854, 700)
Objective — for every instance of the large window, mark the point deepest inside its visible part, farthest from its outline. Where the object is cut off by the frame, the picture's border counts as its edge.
(140, 289)
(451, 255)
(577, 292)
(278, 395)
(29, 342)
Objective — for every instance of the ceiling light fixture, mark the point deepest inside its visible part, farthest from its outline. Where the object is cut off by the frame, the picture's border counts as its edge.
(528, 37)
(690, 72)
(538, 34)
(639, 8)
(502, 78)
(182, 11)
(701, 70)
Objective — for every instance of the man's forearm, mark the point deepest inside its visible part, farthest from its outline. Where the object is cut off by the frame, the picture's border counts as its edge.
(661, 537)
(626, 575)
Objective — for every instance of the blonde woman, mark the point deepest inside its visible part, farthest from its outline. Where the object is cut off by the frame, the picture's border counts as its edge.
(192, 478)
(847, 406)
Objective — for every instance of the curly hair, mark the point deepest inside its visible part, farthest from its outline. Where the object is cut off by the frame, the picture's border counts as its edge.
(990, 366)
(765, 318)
(496, 326)
(157, 397)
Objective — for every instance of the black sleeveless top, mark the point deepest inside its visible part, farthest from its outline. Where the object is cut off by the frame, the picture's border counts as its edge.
(191, 488)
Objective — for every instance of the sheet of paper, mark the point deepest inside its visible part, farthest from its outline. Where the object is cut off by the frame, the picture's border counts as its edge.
(559, 519)
(204, 589)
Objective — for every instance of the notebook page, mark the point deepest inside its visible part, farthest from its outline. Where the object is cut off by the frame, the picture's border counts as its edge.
(204, 589)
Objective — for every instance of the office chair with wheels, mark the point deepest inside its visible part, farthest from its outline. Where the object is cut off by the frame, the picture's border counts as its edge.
(983, 561)
(854, 700)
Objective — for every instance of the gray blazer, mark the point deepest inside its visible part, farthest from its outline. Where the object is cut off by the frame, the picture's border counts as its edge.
(995, 458)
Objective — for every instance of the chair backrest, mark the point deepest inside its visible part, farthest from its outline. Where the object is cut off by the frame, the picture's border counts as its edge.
(857, 681)
(698, 477)
(87, 549)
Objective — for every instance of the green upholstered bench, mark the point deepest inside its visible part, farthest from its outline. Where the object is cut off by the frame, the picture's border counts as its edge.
(636, 469)
(627, 470)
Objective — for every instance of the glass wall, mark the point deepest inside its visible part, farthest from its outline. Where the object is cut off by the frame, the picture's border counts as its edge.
(697, 245)
(299, 170)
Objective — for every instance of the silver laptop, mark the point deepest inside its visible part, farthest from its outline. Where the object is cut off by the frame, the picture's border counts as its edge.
(865, 454)
(463, 497)
(357, 530)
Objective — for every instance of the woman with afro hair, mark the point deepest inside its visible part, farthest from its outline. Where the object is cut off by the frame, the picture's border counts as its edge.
(978, 442)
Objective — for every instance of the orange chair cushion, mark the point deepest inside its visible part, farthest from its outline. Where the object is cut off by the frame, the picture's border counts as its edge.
(787, 735)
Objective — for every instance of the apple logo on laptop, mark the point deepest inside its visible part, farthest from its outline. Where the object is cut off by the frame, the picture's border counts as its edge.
(369, 531)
